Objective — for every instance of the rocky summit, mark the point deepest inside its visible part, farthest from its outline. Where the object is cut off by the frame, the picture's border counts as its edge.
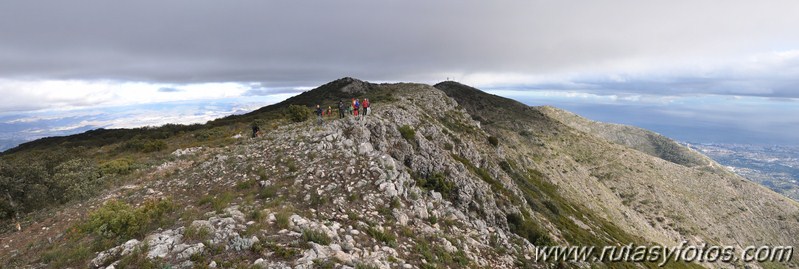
(442, 176)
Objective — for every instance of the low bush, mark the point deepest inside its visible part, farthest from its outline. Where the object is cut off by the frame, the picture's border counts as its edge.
(407, 132)
(528, 229)
(268, 192)
(119, 220)
(448, 146)
(145, 146)
(315, 236)
(387, 238)
(493, 140)
(217, 202)
(122, 166)
(209, 134)
(297, 113)
(282, 219)
(439, 183)
(196, 233)
(282, 251)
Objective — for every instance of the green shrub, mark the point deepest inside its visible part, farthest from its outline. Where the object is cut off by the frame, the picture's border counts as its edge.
(119, 220)
(552, 207)
(493, 140)
(387, 238)
(527, 229)
(439, 183)
(297, 113)
(384, 211)
(146, 146)
(261, 173)
(352, 216)
(122, 166)
(438, 257)
(315, 236)
(246, 185)
(153, 146)
(217, 202)
(291, 165)
(280, 251)
(195, 233)
(282, 219)
(68, 257)
(268, 192)
(209, 134)
(448, 146)
(407, 132)
(74, 179)
(354, 196)
(395, 203)
(319, 200)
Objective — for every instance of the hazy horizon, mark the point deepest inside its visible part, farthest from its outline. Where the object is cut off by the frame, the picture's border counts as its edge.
(684, 126)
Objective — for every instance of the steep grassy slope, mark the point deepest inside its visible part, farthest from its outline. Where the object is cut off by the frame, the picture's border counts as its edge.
(644, 192)
(640, 139)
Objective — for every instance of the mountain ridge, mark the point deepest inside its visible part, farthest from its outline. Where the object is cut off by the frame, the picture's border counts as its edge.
(445, 173)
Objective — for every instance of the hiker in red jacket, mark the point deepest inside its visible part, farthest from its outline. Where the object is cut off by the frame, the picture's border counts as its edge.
(365, 106)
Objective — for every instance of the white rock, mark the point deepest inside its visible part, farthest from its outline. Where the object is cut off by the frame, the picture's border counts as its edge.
(365, 148)
(260, 262)
(347, 143)
(121, 250)
(322, 252)
(402, 219)
(448, 246)
(235, 213)
(190, 250)
(162, 243)
(436, 195)
(343, 257)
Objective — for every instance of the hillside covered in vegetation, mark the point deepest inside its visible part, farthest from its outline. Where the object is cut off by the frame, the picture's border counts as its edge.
(442, 176)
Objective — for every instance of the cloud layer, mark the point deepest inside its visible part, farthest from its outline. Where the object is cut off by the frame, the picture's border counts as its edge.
(290, 43)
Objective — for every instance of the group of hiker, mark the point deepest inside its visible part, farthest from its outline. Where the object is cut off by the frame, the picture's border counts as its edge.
(357, 108)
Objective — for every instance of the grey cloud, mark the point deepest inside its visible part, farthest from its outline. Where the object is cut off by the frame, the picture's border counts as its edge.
(778, 87)
(292, 43)
(167, 89)
(270, 91)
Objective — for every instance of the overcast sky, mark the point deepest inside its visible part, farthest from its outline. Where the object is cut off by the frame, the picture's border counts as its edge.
(67, 55)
